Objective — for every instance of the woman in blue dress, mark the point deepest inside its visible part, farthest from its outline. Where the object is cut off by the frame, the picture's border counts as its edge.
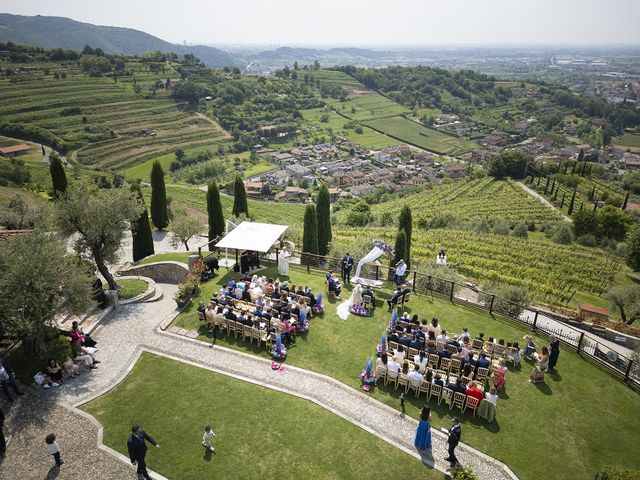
(423, 433)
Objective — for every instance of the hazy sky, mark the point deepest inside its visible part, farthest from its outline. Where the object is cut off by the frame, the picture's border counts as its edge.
(358, 22)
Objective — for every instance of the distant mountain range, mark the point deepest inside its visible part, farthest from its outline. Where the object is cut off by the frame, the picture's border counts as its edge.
(60, 32)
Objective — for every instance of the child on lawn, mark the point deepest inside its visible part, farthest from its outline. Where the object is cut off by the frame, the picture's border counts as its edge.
(206, 438)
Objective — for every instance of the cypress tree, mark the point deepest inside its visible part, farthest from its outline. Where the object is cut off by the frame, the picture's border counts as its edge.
(141, 231)
(573, 168)
(626, 199)
(566, 166)
(159, 211)
(323, 211)
(58, 176)
(553, 185)
(214, 210)
(555, 195)
(581, 155)
(310, 234)
(581, 205)
(593, 192)
(573, 197)
(562, 201)
(239, 198)
(405, 222)
(546, 185)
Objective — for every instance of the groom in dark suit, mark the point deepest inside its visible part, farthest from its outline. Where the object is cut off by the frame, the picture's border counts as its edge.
(455, 432)
(347, 265)
(138, 449)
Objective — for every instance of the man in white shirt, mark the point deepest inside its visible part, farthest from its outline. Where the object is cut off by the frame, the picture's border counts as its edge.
(393, 366)
(464, 335)
(442, 337)
(415, 377)
(421, 362)
(401, 269)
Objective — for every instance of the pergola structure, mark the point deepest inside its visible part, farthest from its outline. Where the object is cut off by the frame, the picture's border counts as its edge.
(257, 237)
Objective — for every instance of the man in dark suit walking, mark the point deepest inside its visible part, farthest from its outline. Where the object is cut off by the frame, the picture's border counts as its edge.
(138, 449)
(347, 265)
(455, 432)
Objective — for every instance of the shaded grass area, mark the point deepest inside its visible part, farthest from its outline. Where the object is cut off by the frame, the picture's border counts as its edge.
(260, 433)
(528, 416)
(131, 287)
(25, 365)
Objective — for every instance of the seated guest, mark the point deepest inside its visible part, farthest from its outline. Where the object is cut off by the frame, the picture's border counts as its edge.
(500, 347)
(414, 320)
(442, 337)
(230, 315)
(537, 375)
(431, 336)
(444, 353)
(393, 366)
(435, 325)
(417, 343)
(383, 360)
(480, 337)
(458, 355)
(428, 376)
(438, 380)
(492, 395)
(309, 293)
(80, 354)
(415, 377)
(421, 360)
(424, 325)
(394, 298)
(466, 352)
(457, 387)
(483, 361)
(399, 354)
(454, 342)
(367, 291)
(431, 347)
(201, 307)
(393, 336)
(333, 285)
(405, 340)
(474, 391)
(464, 335)
(357, 293)
(54, 370)
(405, 368)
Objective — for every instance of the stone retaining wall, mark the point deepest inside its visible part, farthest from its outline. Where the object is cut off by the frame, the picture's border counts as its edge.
(163, 272)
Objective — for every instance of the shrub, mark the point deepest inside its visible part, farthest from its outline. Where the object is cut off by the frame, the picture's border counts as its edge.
(562, 234)
(501, 228)
(616, 473)
(481, 226)
(587, 240)
(510, 300)
(520, 230)
(463, 473)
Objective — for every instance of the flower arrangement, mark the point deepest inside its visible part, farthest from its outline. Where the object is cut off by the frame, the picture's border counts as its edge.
(187, 288)
(368, 376)
(380, 349)
(384, 247)
(318, 307)
(360, 310)
(279, 352)
(303, 322)
(392, 324)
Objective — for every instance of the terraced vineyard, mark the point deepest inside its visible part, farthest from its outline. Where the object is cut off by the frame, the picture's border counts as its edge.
(105, 121)
(485, 257)
(470, 200)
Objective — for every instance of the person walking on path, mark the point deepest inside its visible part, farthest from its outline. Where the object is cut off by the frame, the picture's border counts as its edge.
(554, 346)
(207, 437)
(7, 379)
(455, 432)
(423, 432)
(54, 448)
(138, 449)
(347, 265)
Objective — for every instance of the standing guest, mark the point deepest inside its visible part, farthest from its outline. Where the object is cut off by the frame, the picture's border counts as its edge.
(554, 345)
(54, 448)
(7, 379)
(207, 437)
(138, 449)
(244, 262)
(347, 265)
(3, 443)
(55, 372)
(423, 433)
(401, 269)
(455, 432)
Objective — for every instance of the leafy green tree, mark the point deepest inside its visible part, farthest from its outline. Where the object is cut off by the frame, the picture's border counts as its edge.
(509, 164)
(214, 211)
(612, 223)
(405, 222)
(239, 198)
(626, 298)
(323, 210)
(58, 176)
(482, 226)
(39, 281)
(360, 215)
(141, 230)
(18, 215)
(584, 222)
(98, 218)
(562, 234)
(310, 233)
(183, 229)
(633, 249)
(159, 209)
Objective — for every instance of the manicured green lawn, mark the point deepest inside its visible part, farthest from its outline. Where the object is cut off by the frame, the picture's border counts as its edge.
(568, 424)
(260, 433)
(131, 287)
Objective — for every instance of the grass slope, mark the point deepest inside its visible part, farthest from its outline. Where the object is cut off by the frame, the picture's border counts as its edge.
(260, 433)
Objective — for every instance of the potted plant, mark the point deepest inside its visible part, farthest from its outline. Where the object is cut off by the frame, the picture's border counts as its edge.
(187, 290)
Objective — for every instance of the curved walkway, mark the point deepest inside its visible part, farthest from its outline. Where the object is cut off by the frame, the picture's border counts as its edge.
(134, 329)
(536, 195)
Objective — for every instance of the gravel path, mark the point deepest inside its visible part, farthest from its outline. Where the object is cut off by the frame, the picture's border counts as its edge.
(535, 194)
(133, 329)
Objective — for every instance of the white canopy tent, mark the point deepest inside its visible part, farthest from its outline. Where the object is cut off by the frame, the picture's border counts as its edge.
(258, 237)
